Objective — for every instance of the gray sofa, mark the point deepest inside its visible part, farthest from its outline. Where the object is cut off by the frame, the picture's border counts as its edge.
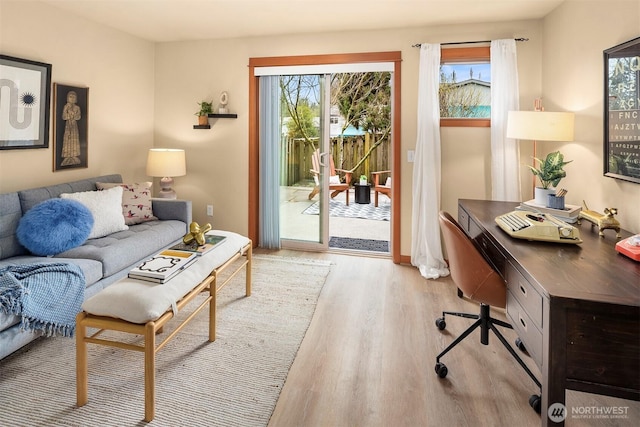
(103, 260)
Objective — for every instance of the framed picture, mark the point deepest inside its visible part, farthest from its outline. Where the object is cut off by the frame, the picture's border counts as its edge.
(622, 111)
(25, 88)
(70, 127)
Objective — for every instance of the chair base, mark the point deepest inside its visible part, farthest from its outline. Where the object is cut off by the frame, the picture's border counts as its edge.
(485, 322)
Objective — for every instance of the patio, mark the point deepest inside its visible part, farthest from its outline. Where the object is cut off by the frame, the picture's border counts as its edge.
(300, 226)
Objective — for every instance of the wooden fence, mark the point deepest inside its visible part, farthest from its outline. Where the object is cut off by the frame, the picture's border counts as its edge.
(346, 152)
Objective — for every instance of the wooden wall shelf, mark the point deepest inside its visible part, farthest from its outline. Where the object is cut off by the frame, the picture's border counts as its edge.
(216, 116)
(223, 116)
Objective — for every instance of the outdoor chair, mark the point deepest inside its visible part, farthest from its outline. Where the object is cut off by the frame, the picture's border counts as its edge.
(336, 186)
(381, 188)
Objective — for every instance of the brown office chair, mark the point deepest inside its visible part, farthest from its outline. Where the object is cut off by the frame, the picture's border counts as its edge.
(481, 283)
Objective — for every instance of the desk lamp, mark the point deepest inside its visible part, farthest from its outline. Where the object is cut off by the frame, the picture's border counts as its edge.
(540, 125)
(166, 163)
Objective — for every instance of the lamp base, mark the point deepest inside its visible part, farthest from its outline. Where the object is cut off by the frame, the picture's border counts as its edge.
(166, 192)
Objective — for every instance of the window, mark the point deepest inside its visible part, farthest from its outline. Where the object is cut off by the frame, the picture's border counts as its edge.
(465, 87)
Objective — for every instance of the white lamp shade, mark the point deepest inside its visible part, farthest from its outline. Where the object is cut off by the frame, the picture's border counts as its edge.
(166, 162)
(540, 125)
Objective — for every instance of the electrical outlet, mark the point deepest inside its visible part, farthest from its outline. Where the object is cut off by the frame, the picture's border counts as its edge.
(411, 156)
(209, 210)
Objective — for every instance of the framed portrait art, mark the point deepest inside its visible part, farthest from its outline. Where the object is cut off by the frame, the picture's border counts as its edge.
(70, 127)
(25, 94)
(622, 111)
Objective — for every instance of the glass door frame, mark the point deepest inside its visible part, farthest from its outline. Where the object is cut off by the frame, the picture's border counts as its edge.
(253, 196)
(321, 244)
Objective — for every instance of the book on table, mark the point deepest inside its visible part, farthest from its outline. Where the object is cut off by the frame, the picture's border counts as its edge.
(163, 266)
(211, 241)
(568, 214)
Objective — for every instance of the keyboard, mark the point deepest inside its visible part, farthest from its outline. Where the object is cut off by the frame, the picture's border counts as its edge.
(537, 226)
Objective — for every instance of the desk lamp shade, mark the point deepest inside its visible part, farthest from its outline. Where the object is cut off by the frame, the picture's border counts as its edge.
(166, 163)
(540, 125)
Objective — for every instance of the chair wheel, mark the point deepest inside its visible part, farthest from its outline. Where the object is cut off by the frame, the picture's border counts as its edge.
(441, 370)
(440, 323)
(535, 402)
(521, 346)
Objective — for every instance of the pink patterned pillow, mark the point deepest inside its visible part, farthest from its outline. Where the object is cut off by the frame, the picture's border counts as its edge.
(136, 201)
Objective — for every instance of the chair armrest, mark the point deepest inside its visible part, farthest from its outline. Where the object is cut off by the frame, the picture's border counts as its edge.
(347, 175)
(376, 177)
(166, 209)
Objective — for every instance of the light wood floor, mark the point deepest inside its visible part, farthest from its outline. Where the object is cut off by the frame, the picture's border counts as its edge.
(368, 358)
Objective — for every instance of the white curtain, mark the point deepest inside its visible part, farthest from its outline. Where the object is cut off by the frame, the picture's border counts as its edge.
(269, 199)
(426, 248)
(505, 153)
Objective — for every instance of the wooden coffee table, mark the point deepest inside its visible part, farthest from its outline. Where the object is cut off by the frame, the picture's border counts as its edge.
(138, 307)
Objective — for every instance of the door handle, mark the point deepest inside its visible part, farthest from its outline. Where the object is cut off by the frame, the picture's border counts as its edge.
(320, 159)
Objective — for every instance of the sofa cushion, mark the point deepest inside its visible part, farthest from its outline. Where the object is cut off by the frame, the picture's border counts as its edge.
(31, 197)
(118, 250)
(136, 201)
(54, 226)
(10, 214)
(106, 208)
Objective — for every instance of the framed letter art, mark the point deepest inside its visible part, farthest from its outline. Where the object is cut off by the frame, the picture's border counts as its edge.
(70, 126)
(25, 92)
(622, 111)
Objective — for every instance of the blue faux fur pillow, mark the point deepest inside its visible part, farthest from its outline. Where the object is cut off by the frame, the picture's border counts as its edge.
(54, 226)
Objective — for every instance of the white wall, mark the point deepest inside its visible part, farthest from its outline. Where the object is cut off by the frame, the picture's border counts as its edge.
(117, 68)
(187, 72)
(575, 36)
(144, 95)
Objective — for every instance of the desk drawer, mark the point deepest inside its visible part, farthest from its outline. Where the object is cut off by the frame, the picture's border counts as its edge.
(524, 292)
(492, 254)
(525, 328)
(463, 220)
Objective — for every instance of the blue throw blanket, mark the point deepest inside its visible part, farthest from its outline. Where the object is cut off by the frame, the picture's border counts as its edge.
(47, 296)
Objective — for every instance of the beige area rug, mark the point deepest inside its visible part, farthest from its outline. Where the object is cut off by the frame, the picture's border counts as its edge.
(234, 381)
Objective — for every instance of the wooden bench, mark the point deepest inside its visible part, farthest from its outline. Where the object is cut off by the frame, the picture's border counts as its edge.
(136, 307)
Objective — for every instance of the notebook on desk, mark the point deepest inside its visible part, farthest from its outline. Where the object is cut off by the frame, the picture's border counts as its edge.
(537, 226)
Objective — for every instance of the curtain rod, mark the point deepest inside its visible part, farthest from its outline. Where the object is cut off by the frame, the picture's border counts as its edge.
(520, 39)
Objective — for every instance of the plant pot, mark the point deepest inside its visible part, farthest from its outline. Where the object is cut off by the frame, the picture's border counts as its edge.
(541, 195)
(203, 120)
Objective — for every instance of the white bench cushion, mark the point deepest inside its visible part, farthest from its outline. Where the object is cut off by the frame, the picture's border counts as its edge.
(138, 301)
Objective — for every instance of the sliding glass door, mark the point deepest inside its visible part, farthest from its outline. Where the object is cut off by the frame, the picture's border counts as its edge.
(304, 220)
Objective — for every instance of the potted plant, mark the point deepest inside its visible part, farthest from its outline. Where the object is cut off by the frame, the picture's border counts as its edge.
(363, 179)
(550, 172)
(206, 108)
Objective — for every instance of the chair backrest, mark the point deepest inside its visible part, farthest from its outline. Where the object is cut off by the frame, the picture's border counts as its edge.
(473, 275)
(315, 161)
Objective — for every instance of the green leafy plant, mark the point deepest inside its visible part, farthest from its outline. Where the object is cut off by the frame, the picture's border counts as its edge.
(550, 171)
(363, 177)
(205, 108)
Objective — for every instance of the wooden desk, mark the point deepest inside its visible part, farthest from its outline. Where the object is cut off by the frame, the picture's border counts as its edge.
(575, 307)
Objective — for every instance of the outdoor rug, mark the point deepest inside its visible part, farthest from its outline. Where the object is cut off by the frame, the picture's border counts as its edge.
(359, 244)
(234, 381)
(354, 210)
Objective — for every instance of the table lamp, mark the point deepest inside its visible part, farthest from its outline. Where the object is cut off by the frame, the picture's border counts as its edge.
(166, 163)
(540, 125)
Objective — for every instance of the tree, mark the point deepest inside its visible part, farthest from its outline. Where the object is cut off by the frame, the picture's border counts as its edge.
(296, 91)
(364, 101)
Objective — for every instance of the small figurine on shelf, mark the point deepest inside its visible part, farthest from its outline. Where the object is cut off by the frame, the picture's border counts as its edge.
(224, 100)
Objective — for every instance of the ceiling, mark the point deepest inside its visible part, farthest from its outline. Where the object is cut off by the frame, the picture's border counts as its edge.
(176, 20)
